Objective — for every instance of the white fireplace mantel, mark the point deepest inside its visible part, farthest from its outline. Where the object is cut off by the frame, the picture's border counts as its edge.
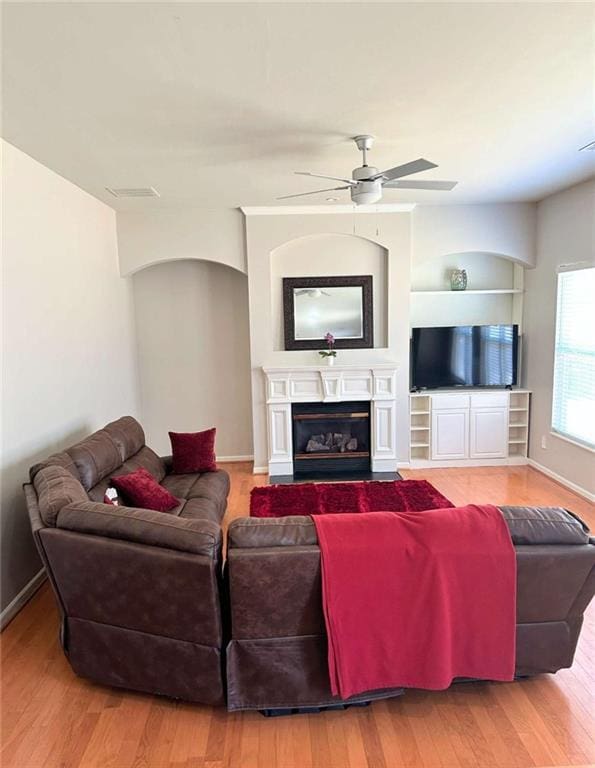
(331, 384)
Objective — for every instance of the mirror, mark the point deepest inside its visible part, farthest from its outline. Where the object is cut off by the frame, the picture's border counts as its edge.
(316, 306)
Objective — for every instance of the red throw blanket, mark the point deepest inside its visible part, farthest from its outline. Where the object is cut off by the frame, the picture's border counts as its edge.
(415, 599)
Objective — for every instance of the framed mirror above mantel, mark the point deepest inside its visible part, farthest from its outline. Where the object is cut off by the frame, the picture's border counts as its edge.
(340, 305)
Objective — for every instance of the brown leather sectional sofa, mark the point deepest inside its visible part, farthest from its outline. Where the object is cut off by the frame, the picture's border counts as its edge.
(138, 590)
(146, 604)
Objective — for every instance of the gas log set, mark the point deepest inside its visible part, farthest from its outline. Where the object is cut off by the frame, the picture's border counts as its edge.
(332, 442)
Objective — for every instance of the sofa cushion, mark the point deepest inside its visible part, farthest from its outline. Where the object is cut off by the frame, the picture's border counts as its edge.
(210, 485)
(544, 525)
(61, 459)
(148, 459)
(193, 451)
(201, 509)
(144, 526)
(95, 457)
(140, 489)
(128, 436)
(56, 487)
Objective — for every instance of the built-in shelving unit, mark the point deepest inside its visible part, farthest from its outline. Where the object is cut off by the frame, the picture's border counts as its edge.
(420, 427)
(518, 423)
(496, 422)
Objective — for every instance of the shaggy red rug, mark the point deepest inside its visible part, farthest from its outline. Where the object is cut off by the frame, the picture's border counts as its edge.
(323, 498)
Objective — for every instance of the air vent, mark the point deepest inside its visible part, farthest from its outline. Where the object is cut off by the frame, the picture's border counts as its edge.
(589, 147)
(133, 191)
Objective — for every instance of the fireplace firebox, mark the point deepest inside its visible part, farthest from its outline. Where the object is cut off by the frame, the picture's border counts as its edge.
(331, 438)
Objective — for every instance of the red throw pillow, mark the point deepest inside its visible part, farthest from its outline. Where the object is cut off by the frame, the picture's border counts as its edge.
(193, 451)
(140, 489)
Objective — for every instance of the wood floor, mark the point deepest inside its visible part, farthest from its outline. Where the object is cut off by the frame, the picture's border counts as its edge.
(51, 719)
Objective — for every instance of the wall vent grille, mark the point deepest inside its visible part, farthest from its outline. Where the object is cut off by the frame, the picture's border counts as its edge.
(133, 191)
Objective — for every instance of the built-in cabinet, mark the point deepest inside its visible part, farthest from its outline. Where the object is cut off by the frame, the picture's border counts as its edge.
(472, 427)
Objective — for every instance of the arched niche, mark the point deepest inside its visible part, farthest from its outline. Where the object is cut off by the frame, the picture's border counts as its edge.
(494, 292)
(484, 270)
(165, 259)
(324, 255)
(194, 352)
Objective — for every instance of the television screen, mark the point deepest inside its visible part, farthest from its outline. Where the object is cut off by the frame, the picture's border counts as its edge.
(464, 356)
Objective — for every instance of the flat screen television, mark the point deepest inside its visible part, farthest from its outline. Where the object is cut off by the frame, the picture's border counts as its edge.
(464, 356)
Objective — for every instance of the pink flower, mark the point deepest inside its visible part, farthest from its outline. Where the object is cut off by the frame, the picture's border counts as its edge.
(330, 339)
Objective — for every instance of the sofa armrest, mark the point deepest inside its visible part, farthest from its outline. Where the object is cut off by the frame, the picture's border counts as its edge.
(142, 526)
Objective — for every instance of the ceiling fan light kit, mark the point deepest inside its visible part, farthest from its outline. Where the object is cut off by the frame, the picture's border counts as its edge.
(366, 182)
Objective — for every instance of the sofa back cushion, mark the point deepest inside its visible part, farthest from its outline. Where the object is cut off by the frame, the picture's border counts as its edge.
(544, 525)
(61, 459)
(128, 436)
(95, 457)
(147, 459)
(55, 488)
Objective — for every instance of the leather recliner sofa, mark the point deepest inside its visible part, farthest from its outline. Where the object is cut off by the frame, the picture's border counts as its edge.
(145, 604)
(277, 654)
(138, 590)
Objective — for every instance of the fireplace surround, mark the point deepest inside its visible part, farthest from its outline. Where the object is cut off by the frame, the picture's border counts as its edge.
(354, 389)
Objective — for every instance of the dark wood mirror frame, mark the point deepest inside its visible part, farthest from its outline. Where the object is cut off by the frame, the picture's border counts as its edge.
(363, 281)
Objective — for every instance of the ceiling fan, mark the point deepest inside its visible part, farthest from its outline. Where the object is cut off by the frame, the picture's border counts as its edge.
(367, 182)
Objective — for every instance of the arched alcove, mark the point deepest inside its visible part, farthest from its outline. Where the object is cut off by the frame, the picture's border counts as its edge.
(326, 255)
(194, 352)
(493, 296)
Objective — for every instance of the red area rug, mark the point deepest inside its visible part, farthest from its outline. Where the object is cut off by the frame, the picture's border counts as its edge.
(325, 498)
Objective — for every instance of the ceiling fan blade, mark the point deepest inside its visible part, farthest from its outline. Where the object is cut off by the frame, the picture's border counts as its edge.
(415, 166)
(332, 178)
(445, 186)
(315, 192)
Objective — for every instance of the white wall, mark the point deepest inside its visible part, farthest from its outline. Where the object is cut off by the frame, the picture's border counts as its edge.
(69, 361)
(155, 236)
(367, 239)
(194, 353)
(507, 229)
(565, 234)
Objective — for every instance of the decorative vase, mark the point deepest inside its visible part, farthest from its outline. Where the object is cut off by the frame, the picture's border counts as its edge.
(330, 360)
(458, 280)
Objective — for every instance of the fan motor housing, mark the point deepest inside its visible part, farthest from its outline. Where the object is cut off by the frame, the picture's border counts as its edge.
(367, 192)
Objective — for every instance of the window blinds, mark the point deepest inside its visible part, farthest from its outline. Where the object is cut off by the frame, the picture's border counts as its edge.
(573, 405)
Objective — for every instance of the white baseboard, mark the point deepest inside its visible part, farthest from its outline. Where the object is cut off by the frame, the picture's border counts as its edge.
(562, 480)
(21, 599)
(260, 471)
(229, 459)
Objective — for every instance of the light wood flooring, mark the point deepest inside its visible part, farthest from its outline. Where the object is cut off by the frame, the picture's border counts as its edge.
(52, 719)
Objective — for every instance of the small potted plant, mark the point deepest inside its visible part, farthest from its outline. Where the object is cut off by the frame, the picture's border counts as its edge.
(331, 352)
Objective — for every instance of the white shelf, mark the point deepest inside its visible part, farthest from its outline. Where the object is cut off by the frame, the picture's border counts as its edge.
(419, 429)
(516, 442)
(500, 291)
(519, 409)
(420, 445)
(420, 413)
(512, 424)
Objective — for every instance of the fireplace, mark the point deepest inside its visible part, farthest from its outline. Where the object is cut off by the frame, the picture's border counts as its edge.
(331, 437)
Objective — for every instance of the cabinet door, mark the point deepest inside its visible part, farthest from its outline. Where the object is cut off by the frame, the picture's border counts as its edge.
(489, 433)
(450, 434)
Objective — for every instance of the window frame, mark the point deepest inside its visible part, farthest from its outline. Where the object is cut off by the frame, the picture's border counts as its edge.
(569, 438)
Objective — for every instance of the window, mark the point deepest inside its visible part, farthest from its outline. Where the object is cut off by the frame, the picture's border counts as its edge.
(573, 405)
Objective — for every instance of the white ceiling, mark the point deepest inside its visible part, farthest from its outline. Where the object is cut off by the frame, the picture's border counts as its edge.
(216, 105)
